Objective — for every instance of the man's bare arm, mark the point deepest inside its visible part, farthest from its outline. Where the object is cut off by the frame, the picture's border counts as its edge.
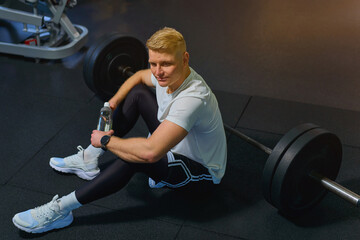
(144, 150)
(142, 76)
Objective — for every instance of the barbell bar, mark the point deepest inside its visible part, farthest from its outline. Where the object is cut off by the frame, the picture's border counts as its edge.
(325, 182)
(300, 169)
(336, 188)
(103, 58)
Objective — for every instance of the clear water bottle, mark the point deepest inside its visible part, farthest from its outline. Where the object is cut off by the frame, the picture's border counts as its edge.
(105, 119)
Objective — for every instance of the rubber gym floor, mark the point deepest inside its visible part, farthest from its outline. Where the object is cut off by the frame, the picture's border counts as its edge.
(272, 65)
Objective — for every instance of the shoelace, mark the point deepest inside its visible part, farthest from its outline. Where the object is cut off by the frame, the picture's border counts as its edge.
(46, 210)
(74, 157)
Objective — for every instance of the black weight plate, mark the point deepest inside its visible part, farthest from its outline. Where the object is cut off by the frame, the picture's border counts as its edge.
(101, 60)
(89, 60)
(106, 56)
(293, 190)
(278, 152)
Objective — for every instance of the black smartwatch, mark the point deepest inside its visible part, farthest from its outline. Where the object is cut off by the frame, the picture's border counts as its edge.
(104, 140)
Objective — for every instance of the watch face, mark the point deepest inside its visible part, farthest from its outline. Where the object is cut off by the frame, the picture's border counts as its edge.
(104, 140)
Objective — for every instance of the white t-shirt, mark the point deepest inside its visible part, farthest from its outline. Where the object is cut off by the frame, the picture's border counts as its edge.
(194, 107)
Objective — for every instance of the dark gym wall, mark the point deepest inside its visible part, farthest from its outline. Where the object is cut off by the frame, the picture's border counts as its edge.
(305, 51)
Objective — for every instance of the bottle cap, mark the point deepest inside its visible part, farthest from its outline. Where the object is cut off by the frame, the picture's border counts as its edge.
(106, 104)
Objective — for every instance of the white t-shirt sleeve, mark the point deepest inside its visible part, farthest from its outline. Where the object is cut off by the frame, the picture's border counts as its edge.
(185, 112)
(153, 80)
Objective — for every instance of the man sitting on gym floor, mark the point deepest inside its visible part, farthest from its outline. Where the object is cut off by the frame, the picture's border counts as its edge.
(186, 130)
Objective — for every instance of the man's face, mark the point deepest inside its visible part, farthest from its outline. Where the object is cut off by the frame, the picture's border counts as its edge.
(168, 68)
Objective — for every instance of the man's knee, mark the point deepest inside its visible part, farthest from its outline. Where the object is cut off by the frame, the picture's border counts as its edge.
(138, 90)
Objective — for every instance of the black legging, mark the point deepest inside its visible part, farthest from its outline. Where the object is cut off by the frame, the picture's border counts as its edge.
(140, 101)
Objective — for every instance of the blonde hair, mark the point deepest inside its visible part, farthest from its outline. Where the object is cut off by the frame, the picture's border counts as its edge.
(166, 40)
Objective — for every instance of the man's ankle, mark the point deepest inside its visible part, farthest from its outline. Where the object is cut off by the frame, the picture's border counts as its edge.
(91, 154)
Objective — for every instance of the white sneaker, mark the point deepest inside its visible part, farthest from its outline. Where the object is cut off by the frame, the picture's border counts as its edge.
(43, 218)
(75, 164)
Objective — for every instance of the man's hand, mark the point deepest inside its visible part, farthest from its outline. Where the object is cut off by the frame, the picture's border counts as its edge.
(97, 135)
(113, 103)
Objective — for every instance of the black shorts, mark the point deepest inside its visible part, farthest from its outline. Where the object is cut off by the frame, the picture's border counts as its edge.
(181, 172)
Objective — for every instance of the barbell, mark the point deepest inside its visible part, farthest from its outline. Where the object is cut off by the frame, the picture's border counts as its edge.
(300, 169)
(108, 63)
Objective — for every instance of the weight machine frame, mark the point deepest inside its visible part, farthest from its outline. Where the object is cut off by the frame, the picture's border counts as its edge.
(63, 38)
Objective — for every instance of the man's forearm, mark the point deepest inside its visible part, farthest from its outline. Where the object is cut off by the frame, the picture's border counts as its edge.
(136, 150)
(137, 78)
(126, 87)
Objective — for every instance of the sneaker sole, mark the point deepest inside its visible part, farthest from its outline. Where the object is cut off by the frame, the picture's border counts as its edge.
(79, 172)
(61, 223)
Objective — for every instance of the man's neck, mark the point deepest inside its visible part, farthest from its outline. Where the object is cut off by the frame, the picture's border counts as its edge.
(175, 86)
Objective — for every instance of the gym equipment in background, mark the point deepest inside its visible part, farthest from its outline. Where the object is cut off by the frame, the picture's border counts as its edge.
(44, 33)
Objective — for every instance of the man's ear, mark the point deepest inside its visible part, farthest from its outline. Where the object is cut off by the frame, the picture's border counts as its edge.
(186, 58)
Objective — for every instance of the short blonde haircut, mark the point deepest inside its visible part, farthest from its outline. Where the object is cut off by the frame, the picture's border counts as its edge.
(167, 40)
